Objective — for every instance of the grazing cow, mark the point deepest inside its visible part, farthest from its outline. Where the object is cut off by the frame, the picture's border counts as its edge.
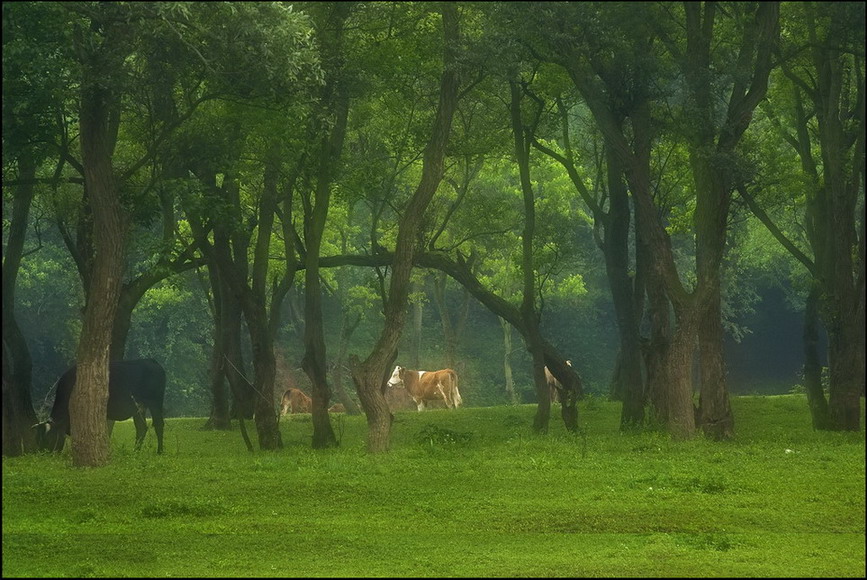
(426, 386)
(295, 401)
(134, 387)
(553, 384)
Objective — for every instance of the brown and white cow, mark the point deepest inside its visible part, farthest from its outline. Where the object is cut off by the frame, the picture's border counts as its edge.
(553, 384)
(424, 386)
(295, 401)
(337, 408)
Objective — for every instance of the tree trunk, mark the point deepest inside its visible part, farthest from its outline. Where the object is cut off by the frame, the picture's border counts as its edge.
(415, 337)
(812, 367)
(715, 415)
(254, 302)
(98, 121)
(628, 383)
(376, 409)
(529, 312)
(452, 328)
(18, 412)
(370, 375)
(507, 362)
(335, 100)
(347, 327)
(219, 416)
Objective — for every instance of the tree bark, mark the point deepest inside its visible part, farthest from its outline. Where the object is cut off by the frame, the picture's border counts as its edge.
(812, 367)
(98, 122)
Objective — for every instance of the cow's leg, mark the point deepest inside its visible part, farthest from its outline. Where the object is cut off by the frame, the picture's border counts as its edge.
(141, 428)
(421, 405)
(159, 423)
(444, 395)
(109, 427)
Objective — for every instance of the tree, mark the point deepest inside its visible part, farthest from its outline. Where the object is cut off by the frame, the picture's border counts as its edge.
(31, 56)
(330, 131)
(369, 375)
(824, 75)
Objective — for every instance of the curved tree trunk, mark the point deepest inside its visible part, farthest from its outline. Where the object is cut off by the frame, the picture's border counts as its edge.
(370, 375)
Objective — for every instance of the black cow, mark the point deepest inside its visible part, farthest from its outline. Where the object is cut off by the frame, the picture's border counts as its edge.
(134, 387)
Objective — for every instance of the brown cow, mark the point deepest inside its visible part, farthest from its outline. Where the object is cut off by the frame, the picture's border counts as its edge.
(337, 408)
(295, 401)
(426, 386)
(553, 384)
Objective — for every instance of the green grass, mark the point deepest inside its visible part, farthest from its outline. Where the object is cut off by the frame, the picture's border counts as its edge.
(464, 493)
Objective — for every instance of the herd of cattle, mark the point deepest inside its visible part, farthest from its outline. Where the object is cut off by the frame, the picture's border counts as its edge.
(136, 387)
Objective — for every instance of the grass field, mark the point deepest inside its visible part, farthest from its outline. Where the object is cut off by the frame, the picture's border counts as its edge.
(467, 493)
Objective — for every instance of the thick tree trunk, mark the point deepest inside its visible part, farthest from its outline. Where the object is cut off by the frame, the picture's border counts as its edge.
(376, 409)
(715, 415)
(98, 122)
(812, 366)
(846, 365)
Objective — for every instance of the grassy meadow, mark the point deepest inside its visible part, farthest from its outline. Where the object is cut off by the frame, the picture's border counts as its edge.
(466, 493)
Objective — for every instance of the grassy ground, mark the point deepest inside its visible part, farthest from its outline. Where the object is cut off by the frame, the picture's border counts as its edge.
(468, 493)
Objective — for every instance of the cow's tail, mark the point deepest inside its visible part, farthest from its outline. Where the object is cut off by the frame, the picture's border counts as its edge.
(456, 394)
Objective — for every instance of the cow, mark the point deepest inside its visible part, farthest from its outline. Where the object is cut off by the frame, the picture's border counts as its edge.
(295, 401)
(553, 384)
(337, 408)
(134, 387)
(426, 386)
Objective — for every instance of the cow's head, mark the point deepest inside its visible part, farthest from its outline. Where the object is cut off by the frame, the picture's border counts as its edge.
(49, 437)
(396, 379)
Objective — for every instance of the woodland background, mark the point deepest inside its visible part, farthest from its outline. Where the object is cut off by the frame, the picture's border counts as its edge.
(262, 195)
